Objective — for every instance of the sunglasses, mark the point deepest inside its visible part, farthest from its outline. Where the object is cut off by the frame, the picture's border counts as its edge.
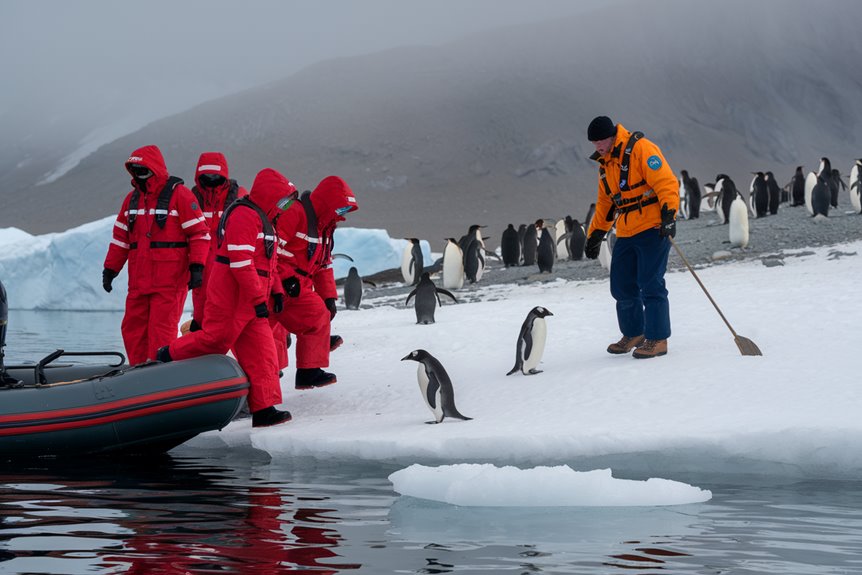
(343, 211)
(211, 180)
(139, 171)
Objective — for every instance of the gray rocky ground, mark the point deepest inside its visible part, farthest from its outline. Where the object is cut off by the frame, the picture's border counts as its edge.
(703, 241)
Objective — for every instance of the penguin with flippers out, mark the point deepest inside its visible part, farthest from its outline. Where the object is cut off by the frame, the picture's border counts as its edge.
(435, 385)
(427, 297)
(531, 342)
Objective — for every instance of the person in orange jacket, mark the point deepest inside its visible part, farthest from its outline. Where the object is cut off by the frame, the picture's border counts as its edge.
(639, 193)
(161, 232)
(305, 267)
(242, 282)
(215, 191)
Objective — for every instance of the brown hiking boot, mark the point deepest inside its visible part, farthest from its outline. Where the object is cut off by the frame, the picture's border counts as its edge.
(625, 345)
(651, 348)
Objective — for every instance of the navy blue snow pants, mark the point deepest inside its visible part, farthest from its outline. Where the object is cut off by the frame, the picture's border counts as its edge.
(637, 284)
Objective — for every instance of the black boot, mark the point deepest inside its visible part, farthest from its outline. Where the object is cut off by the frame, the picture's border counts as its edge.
(269, 416)
(164, 354)
(335, 342)
(313, 377)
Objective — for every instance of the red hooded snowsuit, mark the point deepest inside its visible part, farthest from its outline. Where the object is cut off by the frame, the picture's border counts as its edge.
(243, 277)
(213, 202)
(306, 253)
(159, 242)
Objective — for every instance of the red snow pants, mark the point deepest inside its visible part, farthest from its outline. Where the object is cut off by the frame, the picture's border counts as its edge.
(306, 317)
(150, 322)
(231, 324)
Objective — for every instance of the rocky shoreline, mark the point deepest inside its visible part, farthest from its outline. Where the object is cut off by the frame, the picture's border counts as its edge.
(703, 241)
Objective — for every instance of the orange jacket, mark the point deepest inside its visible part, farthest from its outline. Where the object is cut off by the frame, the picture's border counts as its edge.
(647, 166)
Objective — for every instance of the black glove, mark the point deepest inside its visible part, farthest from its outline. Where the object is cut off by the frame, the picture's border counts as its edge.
(260, 310)
(108, 277)
(668, 222)
(197, 276)
(330, 305)
(278, 302)
(594, 244)
(291, 286)
(194, 325)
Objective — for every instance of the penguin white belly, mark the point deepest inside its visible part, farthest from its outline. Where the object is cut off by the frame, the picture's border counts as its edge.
(406, 258)
(855, 192)
(810, 182)
(562, 247)
(437, 408)
(539, 334)
(738, 223)
(453, 268)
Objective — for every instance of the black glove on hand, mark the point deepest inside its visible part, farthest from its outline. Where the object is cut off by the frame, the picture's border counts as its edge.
(194, 325)
(291, 286)
(197, 276)
(108, 277)
(278, 302)
(668, 222)
(260, 310)
(330, 305)
(594, 244)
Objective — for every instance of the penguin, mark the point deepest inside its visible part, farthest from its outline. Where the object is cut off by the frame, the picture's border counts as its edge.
(546, 253)
(835, 186)
(353, 289)
(797, 188)
(758, 196)
(683, 201)
(473, 232)
(427, 298)
(435, 385)
(561, 231)
(577, 241)
(474, 261)
(824, 174)
(606, 250)
(817, 193)
(855, 188)
(692, 191)
(510, 247)
(453, 265)
(531, 342)
(727, 193)
(774, 193)
(522, 230)
(530, 245)
(708, 200)
(738, 222)
(412, 262)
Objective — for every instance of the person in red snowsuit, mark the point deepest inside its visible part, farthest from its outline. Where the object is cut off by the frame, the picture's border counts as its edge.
(215, 191)
(242, 282)
(161, 232)
(304, 266)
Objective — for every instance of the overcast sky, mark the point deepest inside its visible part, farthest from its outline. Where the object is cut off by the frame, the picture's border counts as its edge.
(79, 64)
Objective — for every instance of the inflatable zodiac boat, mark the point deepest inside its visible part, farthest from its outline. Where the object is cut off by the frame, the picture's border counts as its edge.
(58, 408)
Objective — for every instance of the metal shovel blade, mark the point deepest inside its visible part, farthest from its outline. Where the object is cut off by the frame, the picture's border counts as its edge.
(746, 346)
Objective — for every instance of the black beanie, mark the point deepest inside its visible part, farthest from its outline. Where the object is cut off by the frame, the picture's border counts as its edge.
(600, 128)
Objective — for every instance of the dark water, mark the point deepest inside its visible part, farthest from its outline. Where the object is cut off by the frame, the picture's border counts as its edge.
(238, 511)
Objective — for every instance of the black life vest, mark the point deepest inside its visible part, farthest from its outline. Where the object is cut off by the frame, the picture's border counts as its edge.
(161, 204)
(268, 230)
(327, 242)
(626, 205)
(232, 193)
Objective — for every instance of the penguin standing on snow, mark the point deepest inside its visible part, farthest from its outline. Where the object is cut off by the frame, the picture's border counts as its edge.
(774, 193)
(818, 195)
(797, 188)
(855, 188)
(412, 262)
(530, 245)
(546, 252)
(758, 196)
(727, 193)
(510, 247)
(531, 342)
(738, 222)
(453, 265)
(427, 298)
(435, 385)
(353, 289)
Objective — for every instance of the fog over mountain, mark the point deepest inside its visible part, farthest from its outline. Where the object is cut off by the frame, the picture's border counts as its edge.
(492, 129)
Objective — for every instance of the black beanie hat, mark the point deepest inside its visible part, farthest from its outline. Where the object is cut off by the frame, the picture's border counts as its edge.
(600, 128)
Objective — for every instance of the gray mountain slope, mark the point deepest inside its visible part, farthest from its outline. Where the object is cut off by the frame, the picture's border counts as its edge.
(491, 129)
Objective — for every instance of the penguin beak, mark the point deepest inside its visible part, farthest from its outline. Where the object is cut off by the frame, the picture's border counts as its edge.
(406, 357)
